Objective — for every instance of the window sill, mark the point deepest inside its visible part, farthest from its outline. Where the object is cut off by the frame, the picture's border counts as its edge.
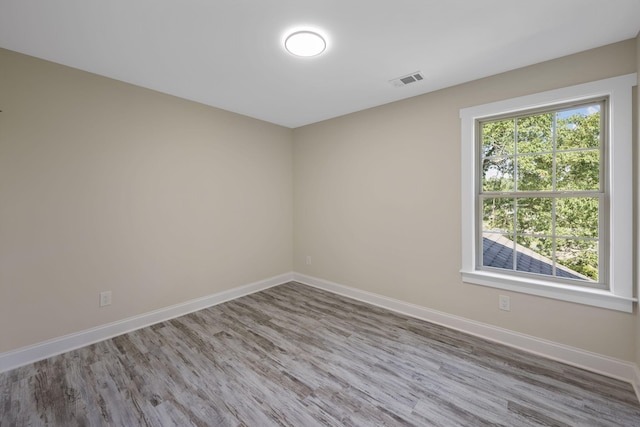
(576, 294)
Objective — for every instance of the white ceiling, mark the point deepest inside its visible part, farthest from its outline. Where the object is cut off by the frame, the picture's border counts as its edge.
(229, 53)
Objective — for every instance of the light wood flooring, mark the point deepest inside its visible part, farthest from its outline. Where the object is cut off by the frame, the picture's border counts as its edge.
(293, 355)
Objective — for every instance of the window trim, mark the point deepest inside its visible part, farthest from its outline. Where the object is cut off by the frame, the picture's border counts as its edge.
(619, 296)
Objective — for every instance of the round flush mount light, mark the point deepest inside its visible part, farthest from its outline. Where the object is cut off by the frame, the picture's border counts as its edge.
(305, 43)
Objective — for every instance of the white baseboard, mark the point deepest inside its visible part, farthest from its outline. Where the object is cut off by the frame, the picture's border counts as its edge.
(33, 353)
(636, 381)
(614, 368)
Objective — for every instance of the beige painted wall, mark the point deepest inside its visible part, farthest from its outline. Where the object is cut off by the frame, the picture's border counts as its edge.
(107, 186)
(637, 194)
(377, 205)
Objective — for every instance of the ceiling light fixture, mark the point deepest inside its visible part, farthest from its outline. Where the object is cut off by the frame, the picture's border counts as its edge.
(305, 43)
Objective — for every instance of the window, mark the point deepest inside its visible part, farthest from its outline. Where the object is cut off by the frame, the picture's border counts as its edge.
(541, 194)
(547, 194)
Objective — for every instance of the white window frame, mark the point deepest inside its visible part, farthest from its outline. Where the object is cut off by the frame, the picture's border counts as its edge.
(619, 296)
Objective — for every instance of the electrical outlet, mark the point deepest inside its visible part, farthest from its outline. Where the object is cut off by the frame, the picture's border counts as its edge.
(105, 298)
(308, 260)
(504, 303)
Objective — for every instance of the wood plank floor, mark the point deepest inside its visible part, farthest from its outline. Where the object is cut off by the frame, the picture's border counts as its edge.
(297, 356)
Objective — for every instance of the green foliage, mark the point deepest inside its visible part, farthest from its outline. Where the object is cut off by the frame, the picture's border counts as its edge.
(520, 155)
(535, 134)
(535, 172)
(578, 131)
(534, 216)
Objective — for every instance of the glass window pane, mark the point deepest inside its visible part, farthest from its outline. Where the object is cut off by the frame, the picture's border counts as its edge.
(577, 259)
(578, 170)
(535, 172)
(535, 133)
(534, 216)
(577, 217)
(534, 255)
(497, 214)
(578, 128)
(497, 251)
(497, 174)
(498, 138)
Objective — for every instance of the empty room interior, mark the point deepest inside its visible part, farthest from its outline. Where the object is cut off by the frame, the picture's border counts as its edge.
(432, 219)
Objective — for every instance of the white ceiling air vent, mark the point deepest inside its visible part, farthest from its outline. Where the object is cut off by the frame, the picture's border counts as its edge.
(408, 79)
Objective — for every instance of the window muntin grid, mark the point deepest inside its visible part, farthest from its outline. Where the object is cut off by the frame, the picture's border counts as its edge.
(542, 193)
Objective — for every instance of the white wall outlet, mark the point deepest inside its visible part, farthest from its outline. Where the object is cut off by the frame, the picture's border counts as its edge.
(308, 262)
(105, 298)
(504, 302)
